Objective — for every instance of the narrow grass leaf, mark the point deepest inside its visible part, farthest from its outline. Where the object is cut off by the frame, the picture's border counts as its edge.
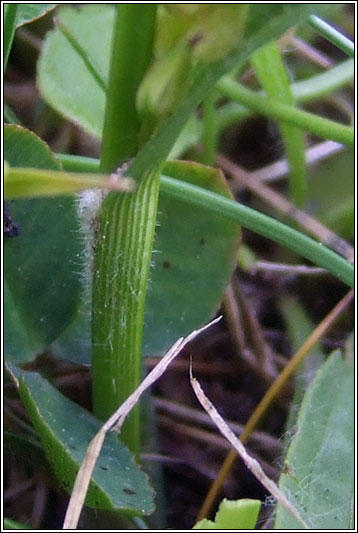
(32, 182)
(272, 75)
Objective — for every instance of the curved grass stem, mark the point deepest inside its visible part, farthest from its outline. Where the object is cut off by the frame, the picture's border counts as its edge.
(323, 127)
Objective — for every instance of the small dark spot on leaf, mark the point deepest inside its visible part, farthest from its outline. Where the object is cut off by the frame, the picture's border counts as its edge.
(11, 229)
(166, 264)
(104, 467)
(127, 490)
(202, 242)
(195, 39)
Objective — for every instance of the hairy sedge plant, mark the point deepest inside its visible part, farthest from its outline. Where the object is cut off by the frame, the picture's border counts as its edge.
(140, 98)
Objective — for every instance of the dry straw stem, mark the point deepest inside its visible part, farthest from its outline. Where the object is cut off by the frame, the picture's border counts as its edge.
(114, 423)
(249, 461)
(270, 395)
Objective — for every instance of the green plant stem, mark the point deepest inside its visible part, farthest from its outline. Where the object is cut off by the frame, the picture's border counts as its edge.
(79, 163)
(209, 129)
(304, 91)
(324, 83)
(319, 254)
(328, 129)
(133, 40)
(121, 268)
(332, 35)
(126, 226)
(249, 218)
(10, 11)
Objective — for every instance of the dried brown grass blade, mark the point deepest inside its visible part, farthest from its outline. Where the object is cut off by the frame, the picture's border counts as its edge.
(114, 423)
(249, 461)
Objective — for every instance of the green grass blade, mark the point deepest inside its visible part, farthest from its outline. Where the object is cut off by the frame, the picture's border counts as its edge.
(272, 75)
(316, 252)
(35, 183)
(330, 33)
(210, 130)
(324, 83)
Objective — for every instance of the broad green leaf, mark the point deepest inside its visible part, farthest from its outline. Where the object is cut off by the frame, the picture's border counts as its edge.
(64, 79)
(239, 514)
(28, 12)
(193, 257)
(65, 430)
(72, 89)
(68, 85)
(319, 466)
(9, 28)
(205, 524)
(273, 77)
(42, 264)
(299, 328)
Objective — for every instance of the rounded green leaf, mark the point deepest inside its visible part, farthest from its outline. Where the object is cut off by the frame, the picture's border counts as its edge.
(64, 79)
(238, 514)
(42, 263)
(65, 430)
(28, 12)
(319, 466)
(194, 254)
